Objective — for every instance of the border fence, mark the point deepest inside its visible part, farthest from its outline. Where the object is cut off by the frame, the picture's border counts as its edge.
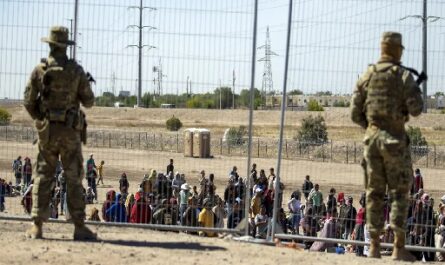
(203, 54)
(332, 151)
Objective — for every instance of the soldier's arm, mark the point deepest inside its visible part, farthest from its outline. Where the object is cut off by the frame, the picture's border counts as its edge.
(85, 92)
(32, 93)
(358, 115)
(412, 95)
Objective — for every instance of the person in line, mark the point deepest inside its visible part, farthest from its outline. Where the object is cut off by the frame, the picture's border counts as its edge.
(141, 211)
(307, 187)
(117, 212)
(100, 171)
(110, 198)
(206, 219)
(261, 223)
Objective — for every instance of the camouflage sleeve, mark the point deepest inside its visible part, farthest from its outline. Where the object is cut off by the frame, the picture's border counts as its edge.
(32, 93)
(358, 114)
(412, 94)
(85, 92)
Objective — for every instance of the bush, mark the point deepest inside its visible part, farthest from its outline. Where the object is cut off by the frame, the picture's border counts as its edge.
(313, 105)
(341, 104)
(235, 136)
(5, 117)
(313, 131)
(419, 145)
(173, 124)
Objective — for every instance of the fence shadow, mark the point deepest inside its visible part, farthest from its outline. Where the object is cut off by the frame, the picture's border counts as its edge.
(165, 245)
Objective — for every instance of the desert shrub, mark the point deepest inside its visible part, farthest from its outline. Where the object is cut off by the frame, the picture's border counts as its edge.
(236, 136)
(341, 104)
(313, 105)
(419, 145)
(5, 117)
(313, 131)
(173, 124)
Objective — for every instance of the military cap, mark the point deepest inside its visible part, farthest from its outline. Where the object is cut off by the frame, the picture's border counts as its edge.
(392, 38)
(58, 35)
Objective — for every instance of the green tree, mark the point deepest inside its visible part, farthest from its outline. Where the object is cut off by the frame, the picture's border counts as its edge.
(313, 131)
(226, 97)
(323, 93)
(313, 105)
(244, 98)
(5, 116)
(341, 104)
(295, 92)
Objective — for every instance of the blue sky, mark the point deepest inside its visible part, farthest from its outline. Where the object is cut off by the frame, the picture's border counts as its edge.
(208, 40)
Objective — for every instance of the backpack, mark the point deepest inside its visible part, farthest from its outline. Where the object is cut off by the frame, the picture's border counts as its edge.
(59, 93)
(384, 91)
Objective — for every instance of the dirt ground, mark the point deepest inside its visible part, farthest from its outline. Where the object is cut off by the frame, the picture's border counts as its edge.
(266, 122)
(137, 246)
(346, 178)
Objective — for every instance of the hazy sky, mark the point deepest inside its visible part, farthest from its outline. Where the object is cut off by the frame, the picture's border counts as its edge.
(208, 40)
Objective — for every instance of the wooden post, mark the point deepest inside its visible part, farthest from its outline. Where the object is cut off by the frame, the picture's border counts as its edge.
(139, 135)
(125, 140)
(322, 152)
(287, 154)
(220, 146)
(109, 140)
(177, 143)
(162, 143)
(427, 152)
(355, 153)
(6, 133)
(435, 156)
(258, 151)
(332, 147)
(347, 154)
(266, 149)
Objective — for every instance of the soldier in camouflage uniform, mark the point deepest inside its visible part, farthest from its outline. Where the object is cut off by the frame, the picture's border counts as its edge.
(384, 97)
(53, 95)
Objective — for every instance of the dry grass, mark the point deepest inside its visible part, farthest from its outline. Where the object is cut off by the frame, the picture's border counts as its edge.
(266, 123)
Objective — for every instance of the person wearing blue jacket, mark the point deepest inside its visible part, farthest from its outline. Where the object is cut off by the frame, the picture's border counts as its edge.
(117, 213)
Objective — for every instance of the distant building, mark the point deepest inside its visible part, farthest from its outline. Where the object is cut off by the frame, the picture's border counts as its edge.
(300, 101)
(124, 94)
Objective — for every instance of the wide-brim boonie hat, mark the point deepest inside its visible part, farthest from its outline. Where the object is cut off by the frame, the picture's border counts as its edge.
(58, 36)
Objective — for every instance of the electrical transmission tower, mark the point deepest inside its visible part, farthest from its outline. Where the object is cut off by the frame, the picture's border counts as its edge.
(425, 20)
(157, 81)
(140, 46)
(267, 84)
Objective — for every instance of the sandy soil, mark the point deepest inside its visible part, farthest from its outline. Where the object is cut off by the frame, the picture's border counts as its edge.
(266, 122)
(136, 246)
(344, 177)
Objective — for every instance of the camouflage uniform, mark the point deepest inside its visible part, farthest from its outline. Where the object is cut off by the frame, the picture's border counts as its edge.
(53, 95)
(384, 97)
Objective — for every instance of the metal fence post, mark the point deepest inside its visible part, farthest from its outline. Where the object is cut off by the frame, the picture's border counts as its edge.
(355, 152)
(109, 140)
(332, 146)
(258, 151)
(177, 143)
(435, 156)
(220, 146)
(347, 154)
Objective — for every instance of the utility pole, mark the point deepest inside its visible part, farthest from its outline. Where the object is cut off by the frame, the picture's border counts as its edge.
(71, 36)
(187, 86)
(267, 86)
(76, 22)
(233, 89)
(220, 96)
(140, 46)
(425, 19)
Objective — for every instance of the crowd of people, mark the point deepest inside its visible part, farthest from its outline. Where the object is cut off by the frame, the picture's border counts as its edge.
(168, 199)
